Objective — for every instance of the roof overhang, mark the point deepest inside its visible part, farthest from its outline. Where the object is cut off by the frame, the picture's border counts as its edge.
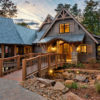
(71, 38)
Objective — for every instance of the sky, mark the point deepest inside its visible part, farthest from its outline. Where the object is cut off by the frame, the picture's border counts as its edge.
(35, 11)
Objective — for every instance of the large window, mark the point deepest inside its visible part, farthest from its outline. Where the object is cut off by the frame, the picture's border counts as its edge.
(82, 48)
(64, 28)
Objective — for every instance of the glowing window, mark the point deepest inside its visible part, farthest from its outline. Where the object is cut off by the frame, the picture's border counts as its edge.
(82, 48)
(61, 28)
(99, 48)
(66, 28)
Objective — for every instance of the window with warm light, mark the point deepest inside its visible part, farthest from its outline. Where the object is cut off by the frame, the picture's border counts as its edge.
(61, 28)
(82, 49)
(64, 28)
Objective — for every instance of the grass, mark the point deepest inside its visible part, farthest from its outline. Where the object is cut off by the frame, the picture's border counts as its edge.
(74, 85)
(97, 87)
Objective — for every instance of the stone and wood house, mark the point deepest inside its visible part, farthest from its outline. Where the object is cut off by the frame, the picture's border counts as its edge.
(62, 34)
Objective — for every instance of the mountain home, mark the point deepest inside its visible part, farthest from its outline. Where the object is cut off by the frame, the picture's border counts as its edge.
(62, 34)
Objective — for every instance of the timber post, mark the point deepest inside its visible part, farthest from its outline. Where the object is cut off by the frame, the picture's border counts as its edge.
(1, 67)
(30, 55)
(56, 63)
(2, 49)
(24, 70)
(49, 61)
(18, 62)
(39, 66)
(15, 50)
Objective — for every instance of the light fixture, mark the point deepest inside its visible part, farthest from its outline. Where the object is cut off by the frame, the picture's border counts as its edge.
(51, 71)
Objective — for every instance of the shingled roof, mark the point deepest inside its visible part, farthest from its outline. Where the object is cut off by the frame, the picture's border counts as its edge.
(14, 34)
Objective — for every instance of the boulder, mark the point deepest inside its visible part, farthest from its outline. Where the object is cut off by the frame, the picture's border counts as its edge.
(59, 86)
(80, 78)
(71, 96)
(68, 82)
(98, 77)
(46, 81)
(65, 90)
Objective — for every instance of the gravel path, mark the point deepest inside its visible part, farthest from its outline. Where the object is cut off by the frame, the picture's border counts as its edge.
(11, 90)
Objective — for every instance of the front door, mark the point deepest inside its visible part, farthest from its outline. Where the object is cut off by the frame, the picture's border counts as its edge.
(67, 50)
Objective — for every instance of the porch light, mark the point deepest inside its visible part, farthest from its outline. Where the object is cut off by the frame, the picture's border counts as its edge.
(53, 49)
(77, 72)
(51, 71)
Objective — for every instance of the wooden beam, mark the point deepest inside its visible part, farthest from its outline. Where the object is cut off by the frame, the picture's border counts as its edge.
(24, 72)
(1, 66)
(2, 49)
(15, 50)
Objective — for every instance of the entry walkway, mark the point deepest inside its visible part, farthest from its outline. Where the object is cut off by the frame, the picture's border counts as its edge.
(11, 90)
(17, 76)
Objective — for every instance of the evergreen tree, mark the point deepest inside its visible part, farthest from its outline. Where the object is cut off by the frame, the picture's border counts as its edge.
(7, 8)
(91, 16)
(61, 6)
(75, 11)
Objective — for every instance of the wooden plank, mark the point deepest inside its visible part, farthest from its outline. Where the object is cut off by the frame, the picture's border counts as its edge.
(1, 66)
(18, 62)
(39, 66)
(24, 72)
(2, 49)
(15, 50)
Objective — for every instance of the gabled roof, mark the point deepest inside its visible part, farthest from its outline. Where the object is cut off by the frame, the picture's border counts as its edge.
(15, 34)
(65, 37)
(8, 32)
(47, 20)
(27, 35)
(74, 20)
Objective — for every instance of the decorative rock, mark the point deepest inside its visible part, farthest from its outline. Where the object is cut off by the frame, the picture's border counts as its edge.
(42, 85)
(46, 81)
(59, 86)
(80, 78)
(71, 96)
(68, 82)
(65, 90)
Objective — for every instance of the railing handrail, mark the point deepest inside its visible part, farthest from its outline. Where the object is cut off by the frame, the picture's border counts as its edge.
(39, 61)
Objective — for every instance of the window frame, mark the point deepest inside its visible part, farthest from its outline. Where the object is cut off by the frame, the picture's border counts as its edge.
(64, 28)
(81, 51)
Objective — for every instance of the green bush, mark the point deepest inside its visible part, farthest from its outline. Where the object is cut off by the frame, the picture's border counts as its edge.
(74, 85)
(97, 86)
(80, 65)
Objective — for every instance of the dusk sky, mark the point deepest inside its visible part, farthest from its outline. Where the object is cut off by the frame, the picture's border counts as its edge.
(37, 10)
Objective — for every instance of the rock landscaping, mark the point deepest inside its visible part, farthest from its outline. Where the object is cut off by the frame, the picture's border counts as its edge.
(66, 84)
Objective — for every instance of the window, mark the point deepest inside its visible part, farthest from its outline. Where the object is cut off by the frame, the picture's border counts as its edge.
(64, 28)
(61, 28)
(82, 48)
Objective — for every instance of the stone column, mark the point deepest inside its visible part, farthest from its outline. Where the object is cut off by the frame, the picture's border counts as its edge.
(74, 55)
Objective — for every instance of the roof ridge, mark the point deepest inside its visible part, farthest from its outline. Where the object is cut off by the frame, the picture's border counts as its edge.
(74, 20)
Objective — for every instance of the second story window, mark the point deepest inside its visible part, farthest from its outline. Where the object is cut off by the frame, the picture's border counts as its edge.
(64, 28)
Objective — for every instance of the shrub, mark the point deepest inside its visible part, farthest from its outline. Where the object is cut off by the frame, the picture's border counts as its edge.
(97, 86)
(80, 65)
(84, 87)
(74, 85)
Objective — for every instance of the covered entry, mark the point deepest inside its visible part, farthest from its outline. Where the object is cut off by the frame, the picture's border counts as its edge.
(65, 43)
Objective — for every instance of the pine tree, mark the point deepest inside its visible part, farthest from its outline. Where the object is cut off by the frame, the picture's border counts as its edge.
(7, 8)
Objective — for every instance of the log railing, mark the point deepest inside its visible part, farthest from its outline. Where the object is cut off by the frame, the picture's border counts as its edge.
(39, 63)
(10, 64)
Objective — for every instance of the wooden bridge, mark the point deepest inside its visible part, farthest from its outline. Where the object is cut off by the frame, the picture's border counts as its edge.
(22, 66)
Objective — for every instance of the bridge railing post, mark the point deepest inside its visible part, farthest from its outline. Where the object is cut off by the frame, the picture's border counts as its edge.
(18, 62)
(39, 66)
(24, 73)
(1, 67)
(49, 61)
